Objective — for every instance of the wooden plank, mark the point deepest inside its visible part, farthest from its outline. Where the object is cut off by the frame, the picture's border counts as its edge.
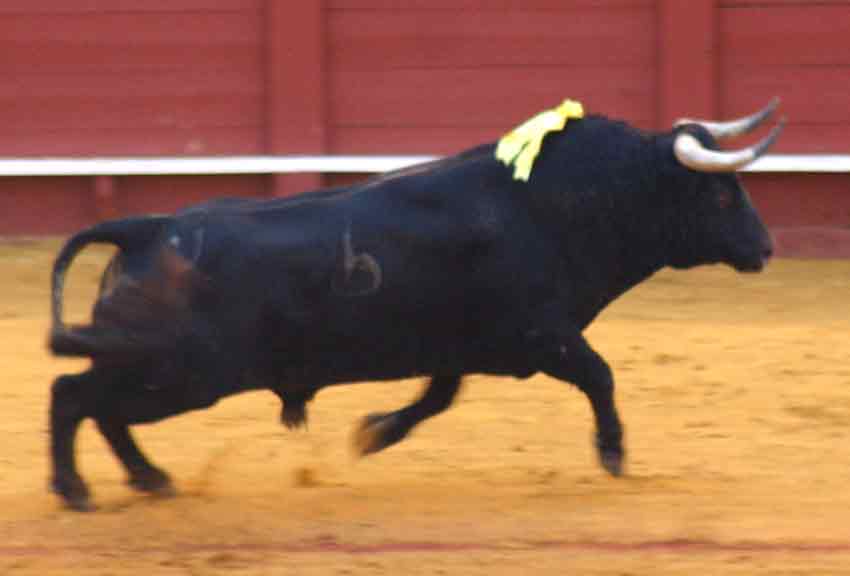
(410, 140)
(428, 139)
(41, 59)
(795, 50)
(482, 5)
(40, 45)
(296, 86)
(778, 3)
(786, 200)
(788, 35)
(105, 30)
(40, 206)
(128, 6)
(687, 66)
(135, 141)
(809, 95)
(104, 197)
(439, 76)
(804, 242)
(118, 83)
(185, 83)
(476, 97)
(144, 194)
(803, 138)
(439, 39)
(85, 112)
(36, 206)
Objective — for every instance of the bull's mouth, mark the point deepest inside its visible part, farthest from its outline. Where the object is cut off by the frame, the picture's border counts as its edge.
(752, 264)
(751, 267)
(753, 259)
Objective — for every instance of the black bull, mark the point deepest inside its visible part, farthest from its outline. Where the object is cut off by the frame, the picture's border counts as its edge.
(441, 270)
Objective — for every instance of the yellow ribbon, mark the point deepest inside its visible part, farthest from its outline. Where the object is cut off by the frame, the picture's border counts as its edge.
(521, 145)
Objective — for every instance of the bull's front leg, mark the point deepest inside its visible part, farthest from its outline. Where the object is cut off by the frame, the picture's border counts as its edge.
(294, 412)
(566, 355)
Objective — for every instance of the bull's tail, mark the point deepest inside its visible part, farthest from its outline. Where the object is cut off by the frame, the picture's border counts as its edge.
(127, 234)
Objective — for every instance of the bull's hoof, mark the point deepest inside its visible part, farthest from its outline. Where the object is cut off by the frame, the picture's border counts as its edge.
(294, 414)
(152, 481)
(611, 455)
(612, 462)
(73, 491)
(376, 432)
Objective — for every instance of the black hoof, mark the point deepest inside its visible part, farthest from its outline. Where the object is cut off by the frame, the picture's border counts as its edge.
(376, 432)
(611, 457)
(612, 462)
(153, 481)
(294, 414)
(73, 491)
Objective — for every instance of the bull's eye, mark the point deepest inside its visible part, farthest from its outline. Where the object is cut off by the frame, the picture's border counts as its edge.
(724, 199)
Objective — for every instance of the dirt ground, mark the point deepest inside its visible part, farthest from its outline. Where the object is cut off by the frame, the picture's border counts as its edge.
(734, 390)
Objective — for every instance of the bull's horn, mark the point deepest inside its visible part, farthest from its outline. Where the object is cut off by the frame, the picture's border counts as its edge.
(691, 153)
(733, 128)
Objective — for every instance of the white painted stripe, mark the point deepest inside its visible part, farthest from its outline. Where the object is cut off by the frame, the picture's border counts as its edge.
(812, 163)
(212, 165)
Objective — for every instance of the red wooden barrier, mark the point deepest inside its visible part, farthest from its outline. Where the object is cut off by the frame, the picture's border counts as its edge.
(131, 77)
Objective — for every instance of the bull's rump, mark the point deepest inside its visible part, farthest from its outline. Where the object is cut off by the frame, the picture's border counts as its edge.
(131, 319)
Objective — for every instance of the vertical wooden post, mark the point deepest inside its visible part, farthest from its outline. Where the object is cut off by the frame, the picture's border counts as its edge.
(296, 87)
(104, 198)
(688, 60)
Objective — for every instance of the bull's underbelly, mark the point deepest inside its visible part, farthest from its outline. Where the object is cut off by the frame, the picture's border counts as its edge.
(344, 361)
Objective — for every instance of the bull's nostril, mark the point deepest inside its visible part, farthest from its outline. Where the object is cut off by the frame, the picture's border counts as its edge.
(767, 252)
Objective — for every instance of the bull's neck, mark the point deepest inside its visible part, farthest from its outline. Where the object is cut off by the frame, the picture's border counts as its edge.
(612, 240)
(635, 251)
(641, 239)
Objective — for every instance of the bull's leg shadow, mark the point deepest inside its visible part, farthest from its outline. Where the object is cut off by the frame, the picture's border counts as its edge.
(570, 358)
(381, 430)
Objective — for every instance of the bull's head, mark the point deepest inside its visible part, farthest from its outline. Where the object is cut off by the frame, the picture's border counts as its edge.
(718, 223)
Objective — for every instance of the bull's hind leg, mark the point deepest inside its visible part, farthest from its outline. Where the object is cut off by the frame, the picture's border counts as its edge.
(143, 475)
(381, 430)
(70, 403)
(115, 398)
(135, 401)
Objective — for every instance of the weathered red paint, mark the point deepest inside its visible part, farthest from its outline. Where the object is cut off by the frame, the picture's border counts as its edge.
(440, 77)
(295, 85)
(104, 197)
(127, 78)
(799, 51)
(687, 60)
(123, 77)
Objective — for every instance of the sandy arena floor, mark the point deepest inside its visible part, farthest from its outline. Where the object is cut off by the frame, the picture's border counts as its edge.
(735, 393)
